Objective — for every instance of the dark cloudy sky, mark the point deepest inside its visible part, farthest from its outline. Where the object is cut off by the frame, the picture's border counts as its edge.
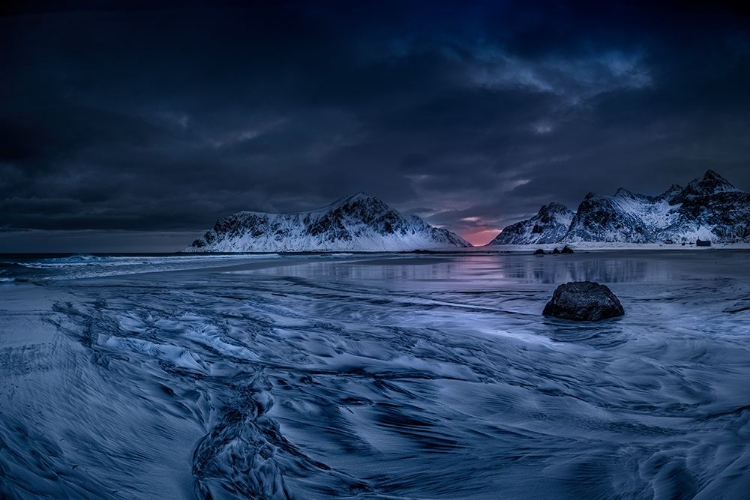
(125, 126)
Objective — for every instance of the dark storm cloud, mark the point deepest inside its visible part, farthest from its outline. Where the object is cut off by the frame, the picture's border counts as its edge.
(136, 117)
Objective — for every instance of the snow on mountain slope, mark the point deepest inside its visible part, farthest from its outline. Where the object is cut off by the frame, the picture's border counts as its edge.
(709, 208)
(626, 216)
(548, 226)
(358, 223)
(711, 184)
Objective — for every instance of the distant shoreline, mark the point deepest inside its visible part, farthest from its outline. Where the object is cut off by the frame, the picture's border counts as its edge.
(495, 249)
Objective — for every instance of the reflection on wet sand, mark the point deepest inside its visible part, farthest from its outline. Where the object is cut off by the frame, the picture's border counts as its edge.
(377, 377)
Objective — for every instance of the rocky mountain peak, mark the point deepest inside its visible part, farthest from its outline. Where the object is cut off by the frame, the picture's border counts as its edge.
(359, 222)
(712, 175)
(711, 183)
(624, 193)
(547, 226)
(709, 208)
(360, 197)
(554, 207)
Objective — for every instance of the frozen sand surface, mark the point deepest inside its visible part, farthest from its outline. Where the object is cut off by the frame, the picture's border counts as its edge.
(379, 377)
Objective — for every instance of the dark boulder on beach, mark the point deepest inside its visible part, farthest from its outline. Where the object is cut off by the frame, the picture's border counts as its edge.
(566, 249)
(540, 252)
(583, 301)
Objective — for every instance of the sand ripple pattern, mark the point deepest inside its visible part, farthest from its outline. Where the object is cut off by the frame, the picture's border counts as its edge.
(382, 379)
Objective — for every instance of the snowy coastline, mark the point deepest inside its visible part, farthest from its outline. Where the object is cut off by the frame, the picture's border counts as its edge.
(598, 246)
(378, 376)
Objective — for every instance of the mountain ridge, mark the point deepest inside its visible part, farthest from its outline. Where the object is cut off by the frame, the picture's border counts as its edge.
(549, 225)
(708, 208)
(359, 223)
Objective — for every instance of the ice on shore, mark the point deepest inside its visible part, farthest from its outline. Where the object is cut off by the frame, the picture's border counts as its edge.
(431, 376)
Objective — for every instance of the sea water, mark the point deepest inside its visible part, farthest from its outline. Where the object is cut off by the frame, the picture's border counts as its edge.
(373, 376)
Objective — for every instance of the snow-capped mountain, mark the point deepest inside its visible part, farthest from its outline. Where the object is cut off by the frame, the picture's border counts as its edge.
(550, 225)
(709, 208)
(626, 216)
(359, 223)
